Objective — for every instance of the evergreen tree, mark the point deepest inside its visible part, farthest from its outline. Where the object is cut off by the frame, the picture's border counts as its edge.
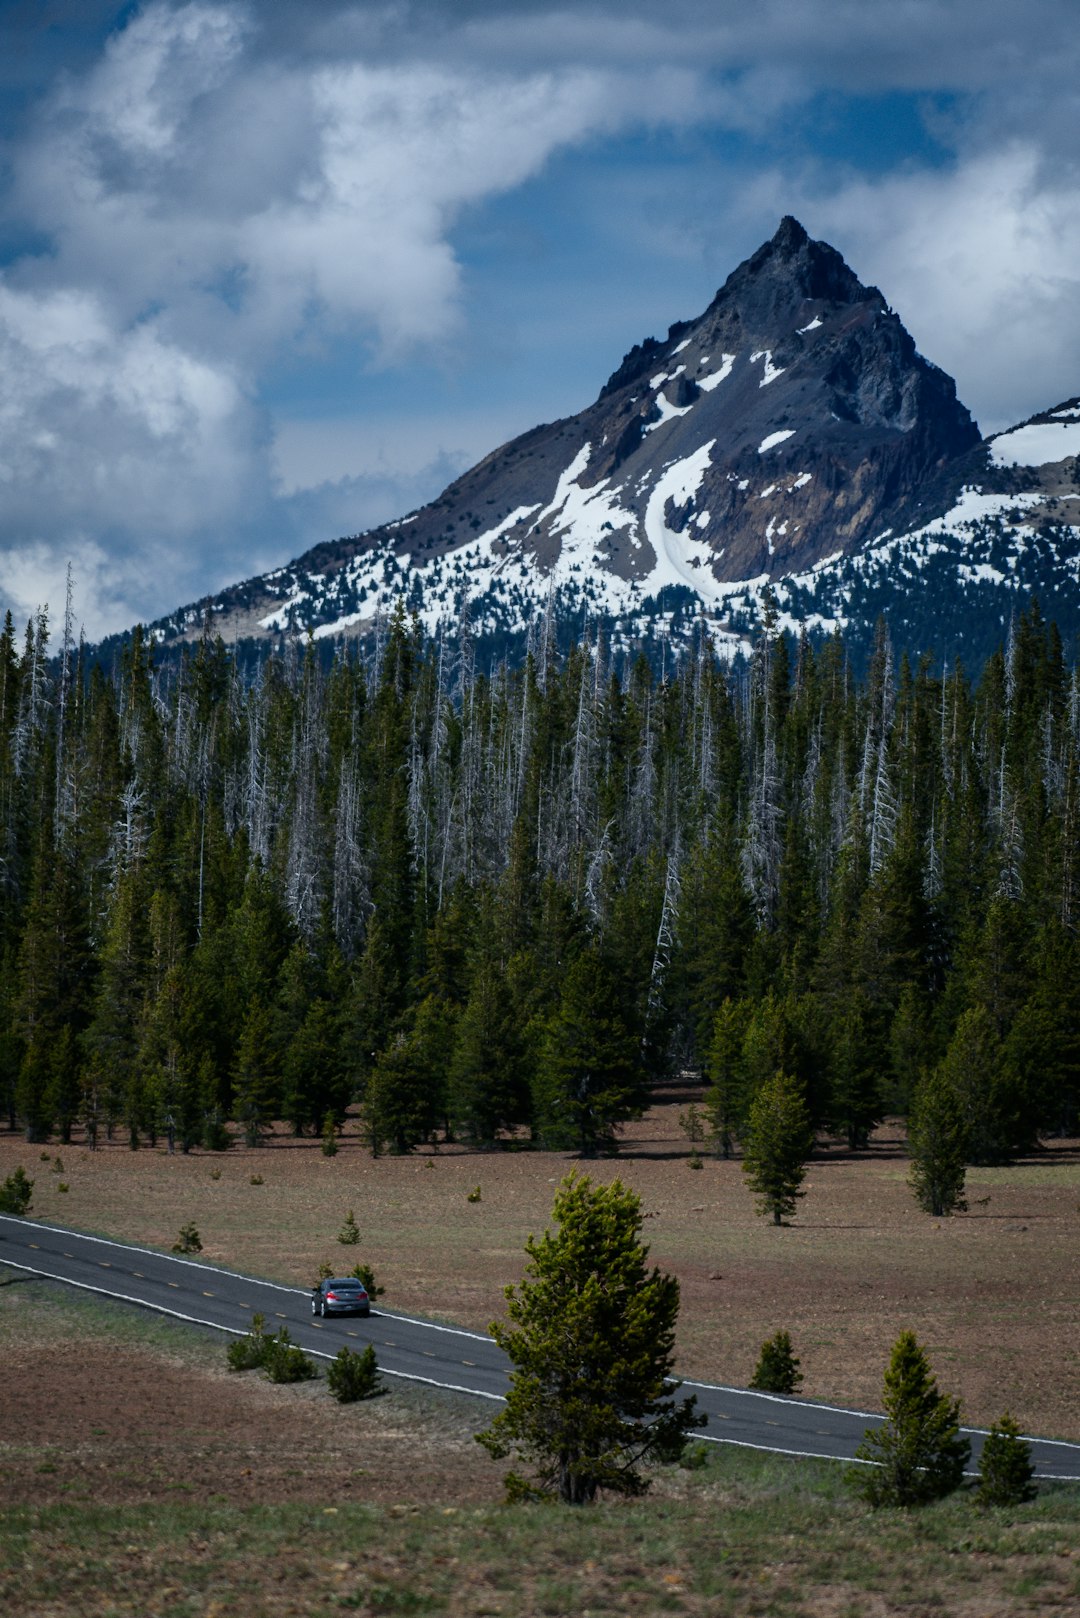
(938, 1146)
(1005, 1467)
(779, 1140)
(590, 1077)
(917, 1455)
(777, 1369)
(592, 1339)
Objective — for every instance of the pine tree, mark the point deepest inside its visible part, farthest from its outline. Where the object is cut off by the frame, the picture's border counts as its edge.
(779, 1140)
(590, 1077)
(777, 1369)
(1005, 1467)
(917, 1455)
(591, 1339)
(938, 1145)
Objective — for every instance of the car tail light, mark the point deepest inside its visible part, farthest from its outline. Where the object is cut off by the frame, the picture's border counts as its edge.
(331, 1297)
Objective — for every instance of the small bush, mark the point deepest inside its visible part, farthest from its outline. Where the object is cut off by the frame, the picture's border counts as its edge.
(329, 1136)
(366, 1277)
(349, 1234)
(694, 1458)
(215, 1174)
(216, 1137)
(256, 1179)
(188, 1241)
(325, 1271)
(473, 1195)
(46, 1157)
(58, 1165)
(695, 1160)
(777, 1369)
(1005, 1469)
(63, 1186)
(248, 1353)
(15, 1193)
(353, 1376)
(285, 1362)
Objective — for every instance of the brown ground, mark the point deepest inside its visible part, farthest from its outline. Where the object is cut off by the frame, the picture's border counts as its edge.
(157, 1420)
(992, 1294)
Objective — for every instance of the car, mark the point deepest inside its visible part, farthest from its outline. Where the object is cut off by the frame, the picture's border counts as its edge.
(340, 1295)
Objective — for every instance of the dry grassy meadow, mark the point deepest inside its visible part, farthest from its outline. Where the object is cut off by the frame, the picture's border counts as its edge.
(992, 1294)
(138, 1477)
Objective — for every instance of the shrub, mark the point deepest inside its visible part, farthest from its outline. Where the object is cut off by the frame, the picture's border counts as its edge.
(256, 1179)
(285, 1362)
(15, 1193)
(326, 1270)
(63, 1186)
(349, 1234)
(353, 1376)
(188, 1241)
(366, 1277)
(58, 1164)
(473, 1195)
(248, 1353)
(329, 1136)
(777, 1369)
(1005, 1469)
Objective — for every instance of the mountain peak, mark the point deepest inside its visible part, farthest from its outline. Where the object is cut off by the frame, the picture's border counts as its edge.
(789, 269)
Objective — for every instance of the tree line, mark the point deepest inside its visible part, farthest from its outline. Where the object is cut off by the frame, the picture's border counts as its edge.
(500, 904)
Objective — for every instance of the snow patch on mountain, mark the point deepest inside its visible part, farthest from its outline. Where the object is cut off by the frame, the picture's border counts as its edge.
(680, 559)
(774, 439)
(714, 378)
(770, 371)
(1037, 444)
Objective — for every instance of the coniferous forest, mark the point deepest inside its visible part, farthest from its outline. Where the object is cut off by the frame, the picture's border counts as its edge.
(495, 905)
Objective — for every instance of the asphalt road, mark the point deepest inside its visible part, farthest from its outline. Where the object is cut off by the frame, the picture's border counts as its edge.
(420, 1350)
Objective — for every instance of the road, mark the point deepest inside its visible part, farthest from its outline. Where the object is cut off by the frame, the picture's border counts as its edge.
(420, 1350)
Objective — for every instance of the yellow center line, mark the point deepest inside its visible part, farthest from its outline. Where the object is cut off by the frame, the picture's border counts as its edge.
(388, 1344)
(208, 1294)
(279, 1315)
(317, 1323)
(69, 1255)
(34, 1245)
(352, 1334)
(469, 1362)
(428, 1354)
(140, 1274)
(175, 1284)
(104, 1264)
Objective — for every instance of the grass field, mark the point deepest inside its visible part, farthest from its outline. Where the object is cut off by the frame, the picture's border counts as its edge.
(137, 1476)
(991, 1294)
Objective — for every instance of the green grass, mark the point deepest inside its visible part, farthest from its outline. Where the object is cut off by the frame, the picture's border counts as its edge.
(749, 1534)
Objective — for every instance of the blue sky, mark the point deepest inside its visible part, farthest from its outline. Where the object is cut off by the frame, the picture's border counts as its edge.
(272, 272)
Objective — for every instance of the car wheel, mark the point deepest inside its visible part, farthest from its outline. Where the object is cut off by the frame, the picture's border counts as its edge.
(322, 1308)
(314, 1306)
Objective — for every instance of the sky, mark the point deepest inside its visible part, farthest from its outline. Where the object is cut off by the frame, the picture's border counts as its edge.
(273, 272)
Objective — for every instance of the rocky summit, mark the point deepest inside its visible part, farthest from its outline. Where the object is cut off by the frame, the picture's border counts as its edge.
(791, 435)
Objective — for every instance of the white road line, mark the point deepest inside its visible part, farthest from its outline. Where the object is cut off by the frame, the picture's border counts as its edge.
(843, 1410)
(238, 1275)
(455, 1387)
(458, 1331)
(235, 1331)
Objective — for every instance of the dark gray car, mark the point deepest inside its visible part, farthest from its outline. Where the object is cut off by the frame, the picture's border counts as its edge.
(344, 1295)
